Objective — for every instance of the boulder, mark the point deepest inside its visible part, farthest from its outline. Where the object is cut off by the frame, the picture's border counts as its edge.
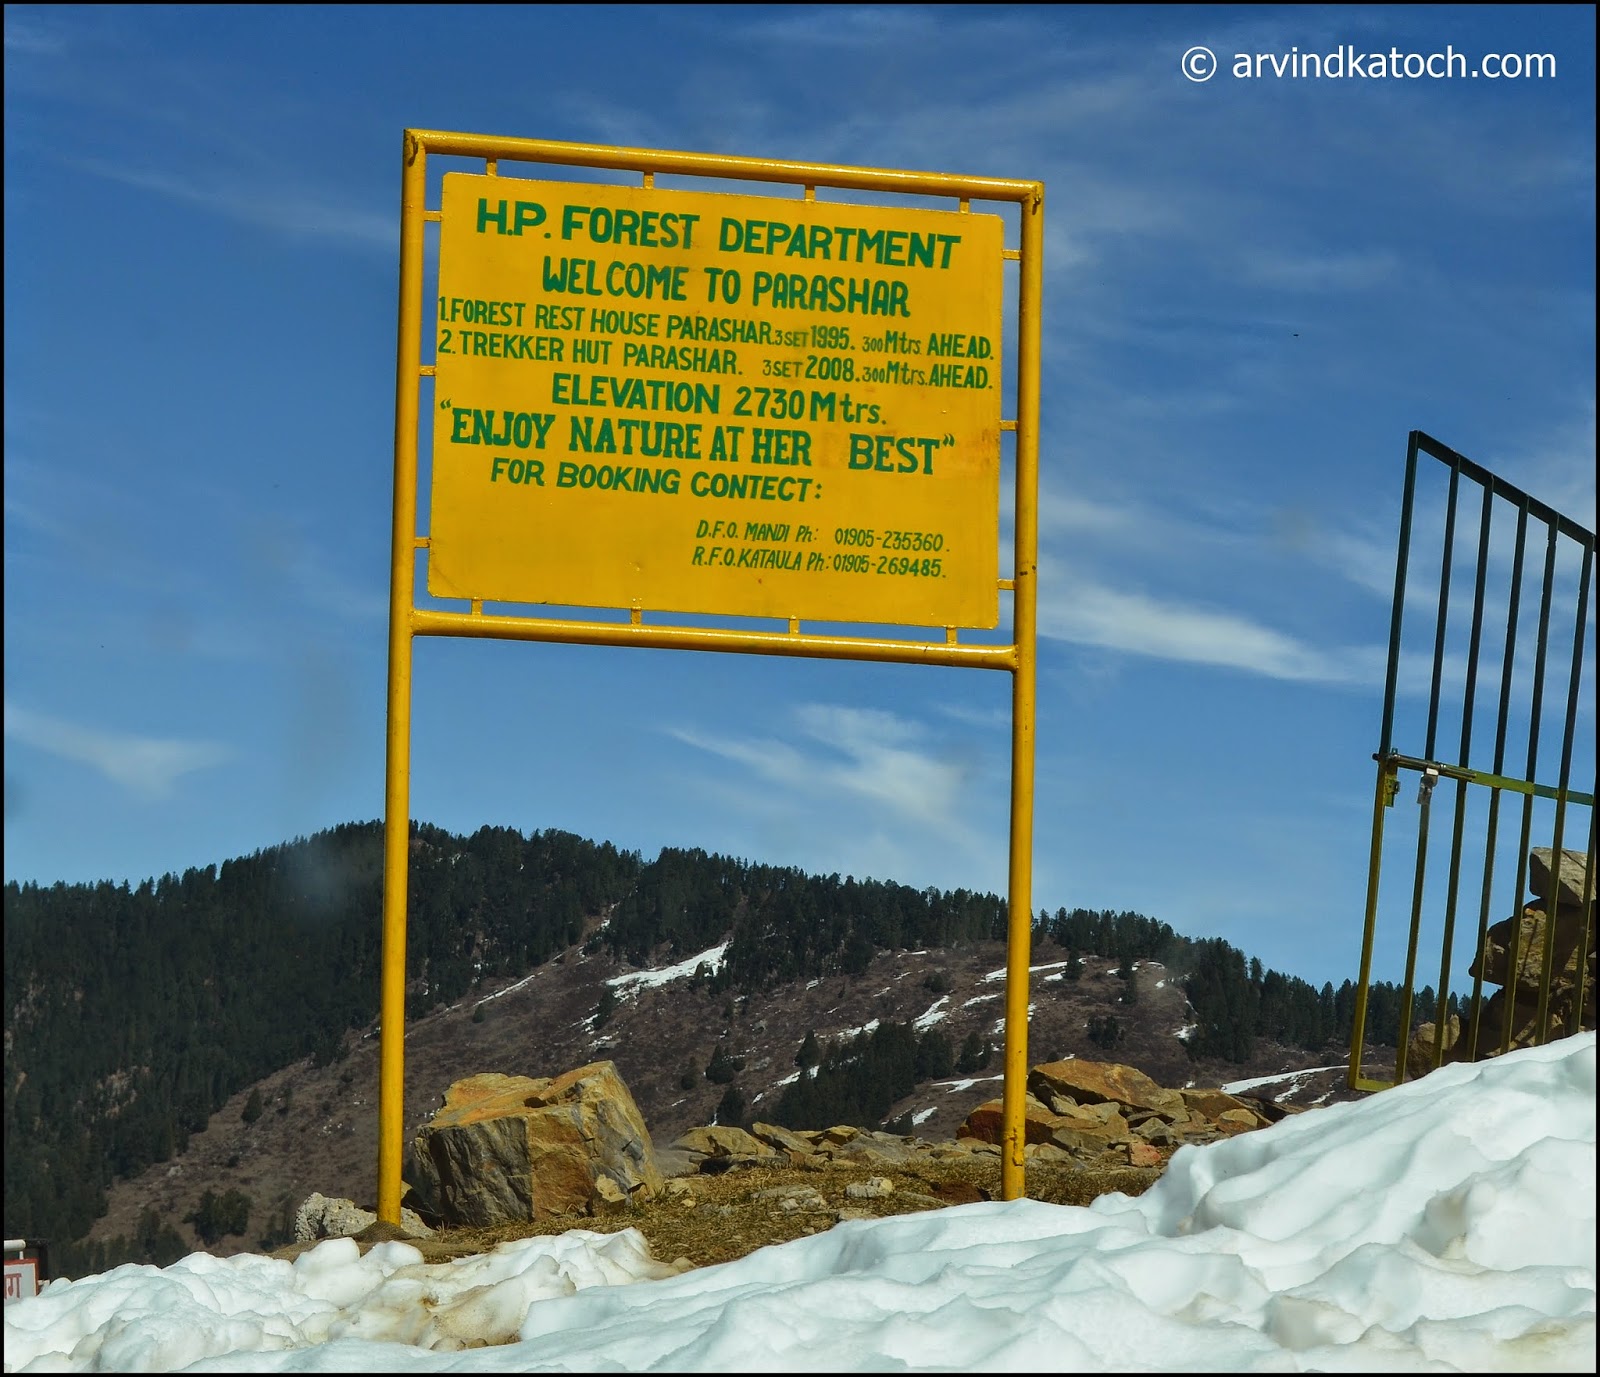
(321, 1216)
(986, 1122)
(875, 1152)
(725, 1144)
(1528, 930)
(511, 1149)
(1100, 1082)
(1572, 892)
(1085, 1133)
(1144, 1155)
(1209, 1104)
(1520, 1007)
(783, 1140)
(1420, 1050)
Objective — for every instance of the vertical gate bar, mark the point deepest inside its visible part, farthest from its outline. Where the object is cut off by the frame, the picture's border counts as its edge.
(1385, 769)
(1358, 1020)
(1469, 699)
(397, 755)
(1507, 667)
(1425, 809)
(1586, 931)
(1425, 796)
(1514, 950)
(1397, 613)
(1574, 686)
(1440, 623)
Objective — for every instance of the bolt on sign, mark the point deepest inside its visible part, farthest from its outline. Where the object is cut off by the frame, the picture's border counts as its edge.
(707, 403)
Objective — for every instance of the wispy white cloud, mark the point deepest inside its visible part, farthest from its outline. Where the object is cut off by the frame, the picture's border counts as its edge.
(148, 767)
(1558, 466)
(862, 755)
(1086, 612)
(30, 36)
(986, 718)
(292, 211)
(1323, 272)
(836, 26)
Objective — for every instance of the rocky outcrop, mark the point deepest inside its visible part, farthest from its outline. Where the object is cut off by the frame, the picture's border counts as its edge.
(1105, 1114)
(1513, 956)
(510, 1149)
(505, 1149)
(1100, 1114)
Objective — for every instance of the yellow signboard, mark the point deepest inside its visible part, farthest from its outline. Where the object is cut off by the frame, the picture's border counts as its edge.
(707, 403)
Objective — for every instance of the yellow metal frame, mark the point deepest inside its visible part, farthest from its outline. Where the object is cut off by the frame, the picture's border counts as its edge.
(407, 621)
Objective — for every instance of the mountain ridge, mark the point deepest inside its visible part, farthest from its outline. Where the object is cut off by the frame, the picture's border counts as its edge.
(542, 1024)
(236, 1005)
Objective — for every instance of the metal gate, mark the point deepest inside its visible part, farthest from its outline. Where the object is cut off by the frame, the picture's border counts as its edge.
(1541, 706)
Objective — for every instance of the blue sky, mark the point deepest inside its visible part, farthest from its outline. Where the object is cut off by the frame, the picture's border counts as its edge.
(1254, 289)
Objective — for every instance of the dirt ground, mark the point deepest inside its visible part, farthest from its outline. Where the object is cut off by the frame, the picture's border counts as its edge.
(702, 1220)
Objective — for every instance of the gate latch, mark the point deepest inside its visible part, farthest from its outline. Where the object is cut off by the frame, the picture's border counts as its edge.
(1430, 777)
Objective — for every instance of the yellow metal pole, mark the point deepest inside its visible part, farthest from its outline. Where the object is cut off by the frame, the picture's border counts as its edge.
(397, 781)
(1025, 615)
(1358, 1027)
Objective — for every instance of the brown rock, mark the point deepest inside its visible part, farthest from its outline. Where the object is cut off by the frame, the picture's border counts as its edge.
(1420, 1050)
(721, 1140)
(1523, 1015)
(1571, 889)
(1081, 1144)
(1098, 1082)
(1144, 1155)
(987, 1122)
(1529, 932)
(781, 1138)
(1107, 1117)
(505, 1149)
(874, 1155)
(1158, 1131)
(1208, 1104)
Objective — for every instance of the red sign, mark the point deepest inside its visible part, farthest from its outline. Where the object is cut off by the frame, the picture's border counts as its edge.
(22, 1277)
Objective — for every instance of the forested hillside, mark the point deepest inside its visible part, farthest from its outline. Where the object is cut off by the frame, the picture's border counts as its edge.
(132, 1014)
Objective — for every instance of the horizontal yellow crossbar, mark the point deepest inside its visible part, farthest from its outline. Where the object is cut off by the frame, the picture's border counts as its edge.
(718, 165)
(429, 623)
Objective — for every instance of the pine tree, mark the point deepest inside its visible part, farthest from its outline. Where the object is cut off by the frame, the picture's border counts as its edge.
(1105, 1031)
(809, 1054)
(730, 1108)
(935, 1056)
(722, 1067)
(974, 1053)
(252, 1107)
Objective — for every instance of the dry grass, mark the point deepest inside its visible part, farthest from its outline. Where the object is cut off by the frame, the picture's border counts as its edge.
(712, 1219)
